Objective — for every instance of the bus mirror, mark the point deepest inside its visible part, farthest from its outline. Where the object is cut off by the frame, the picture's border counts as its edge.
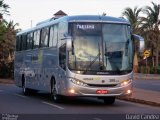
(69, 43)
(141, 46)
(140, 42)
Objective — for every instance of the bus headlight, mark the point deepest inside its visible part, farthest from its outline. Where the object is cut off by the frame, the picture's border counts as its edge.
(125, 82)
(77, 82)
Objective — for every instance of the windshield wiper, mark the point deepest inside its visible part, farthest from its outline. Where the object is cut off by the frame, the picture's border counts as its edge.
(92, 62)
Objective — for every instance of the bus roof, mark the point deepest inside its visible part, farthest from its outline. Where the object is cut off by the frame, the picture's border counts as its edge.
(96, 18)
(77, 18)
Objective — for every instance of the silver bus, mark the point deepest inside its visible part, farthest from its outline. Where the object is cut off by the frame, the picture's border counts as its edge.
(83, 55)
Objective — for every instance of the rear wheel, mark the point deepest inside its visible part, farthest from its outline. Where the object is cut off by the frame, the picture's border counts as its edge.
(109, 100)
(27, 91)
(24, 89)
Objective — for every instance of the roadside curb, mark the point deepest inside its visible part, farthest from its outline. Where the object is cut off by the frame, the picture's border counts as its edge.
(146, 76)
(136, 100)
(7, 81)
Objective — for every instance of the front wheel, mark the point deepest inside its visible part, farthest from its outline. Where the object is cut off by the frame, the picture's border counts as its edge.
(54, 96)
(109, 100)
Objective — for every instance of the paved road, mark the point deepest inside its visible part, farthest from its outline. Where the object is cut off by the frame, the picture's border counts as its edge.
(147, 84)
(12, 101)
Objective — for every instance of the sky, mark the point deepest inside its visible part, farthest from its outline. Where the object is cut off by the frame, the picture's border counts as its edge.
(29, 12)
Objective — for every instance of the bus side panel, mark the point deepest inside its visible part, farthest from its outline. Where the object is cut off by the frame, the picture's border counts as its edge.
(31, 66)
(41, 68)
(34, 71)
(18, 68)
(49, 67)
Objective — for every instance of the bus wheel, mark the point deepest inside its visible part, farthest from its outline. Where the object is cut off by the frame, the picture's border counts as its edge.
(24, 89)
(109, 100)
(55, 97)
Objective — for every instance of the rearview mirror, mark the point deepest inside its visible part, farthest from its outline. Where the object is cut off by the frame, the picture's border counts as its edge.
(140, 41)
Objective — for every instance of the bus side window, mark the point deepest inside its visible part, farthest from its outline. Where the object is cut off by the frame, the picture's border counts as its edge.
(62, 44)
(20, 43)
(17, 43)
(62, 56)
(53, 36)
(36, 39)
(29, 40)
(24, 42)
(44, 37)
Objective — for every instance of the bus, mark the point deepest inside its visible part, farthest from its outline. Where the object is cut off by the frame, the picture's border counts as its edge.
(82, 55)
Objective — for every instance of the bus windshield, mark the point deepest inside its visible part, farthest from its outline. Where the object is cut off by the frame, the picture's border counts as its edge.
(101, 47)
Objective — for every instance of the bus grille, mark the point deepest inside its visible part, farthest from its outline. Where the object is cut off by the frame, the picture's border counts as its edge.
(100, 85)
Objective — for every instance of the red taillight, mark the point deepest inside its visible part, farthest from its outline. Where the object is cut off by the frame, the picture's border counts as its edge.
(101, 91)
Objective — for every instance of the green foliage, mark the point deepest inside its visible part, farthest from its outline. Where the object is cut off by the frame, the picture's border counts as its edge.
(158, 69)
(151, 29)
(133, 17)
(7, 45)
(148, 27)
(7, 42)
(3, 8)
(149, 70)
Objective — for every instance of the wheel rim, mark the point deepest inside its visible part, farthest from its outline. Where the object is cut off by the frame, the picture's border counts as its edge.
(24, 88)
(54, 94)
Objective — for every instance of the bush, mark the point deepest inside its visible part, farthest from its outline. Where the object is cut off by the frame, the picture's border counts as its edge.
(153, 70)
(6, 70)
(149, 70)
(158, 70)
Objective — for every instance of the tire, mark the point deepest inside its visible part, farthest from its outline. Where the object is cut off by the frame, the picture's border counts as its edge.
(109, 100)
(24, 89)
(54, 96)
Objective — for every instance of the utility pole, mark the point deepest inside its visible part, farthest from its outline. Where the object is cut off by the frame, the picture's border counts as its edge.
(31, 23)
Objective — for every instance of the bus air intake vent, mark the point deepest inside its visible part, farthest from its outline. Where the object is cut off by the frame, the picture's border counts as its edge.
(102, 85)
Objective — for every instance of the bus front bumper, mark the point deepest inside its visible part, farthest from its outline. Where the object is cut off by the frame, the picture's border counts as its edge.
(76, 90)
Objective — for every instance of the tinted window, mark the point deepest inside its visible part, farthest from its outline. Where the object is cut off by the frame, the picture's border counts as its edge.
(44, 37)
(62, 56)
(62, 31)
(53, 36)
(24, 42)
(29, 41)
(18, 38)
(36, 39)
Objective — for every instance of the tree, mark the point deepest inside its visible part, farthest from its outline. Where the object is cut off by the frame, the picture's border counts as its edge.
(3, 9)
(7, 46)
(134, 18)
(7, 42)
(151, 27)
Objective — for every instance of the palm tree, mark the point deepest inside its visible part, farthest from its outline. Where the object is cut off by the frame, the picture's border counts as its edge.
(151, 26)
(133, 17)
(7, 46)
(3, 9)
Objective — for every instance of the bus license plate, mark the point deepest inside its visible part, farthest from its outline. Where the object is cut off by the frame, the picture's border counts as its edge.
(101, 91)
